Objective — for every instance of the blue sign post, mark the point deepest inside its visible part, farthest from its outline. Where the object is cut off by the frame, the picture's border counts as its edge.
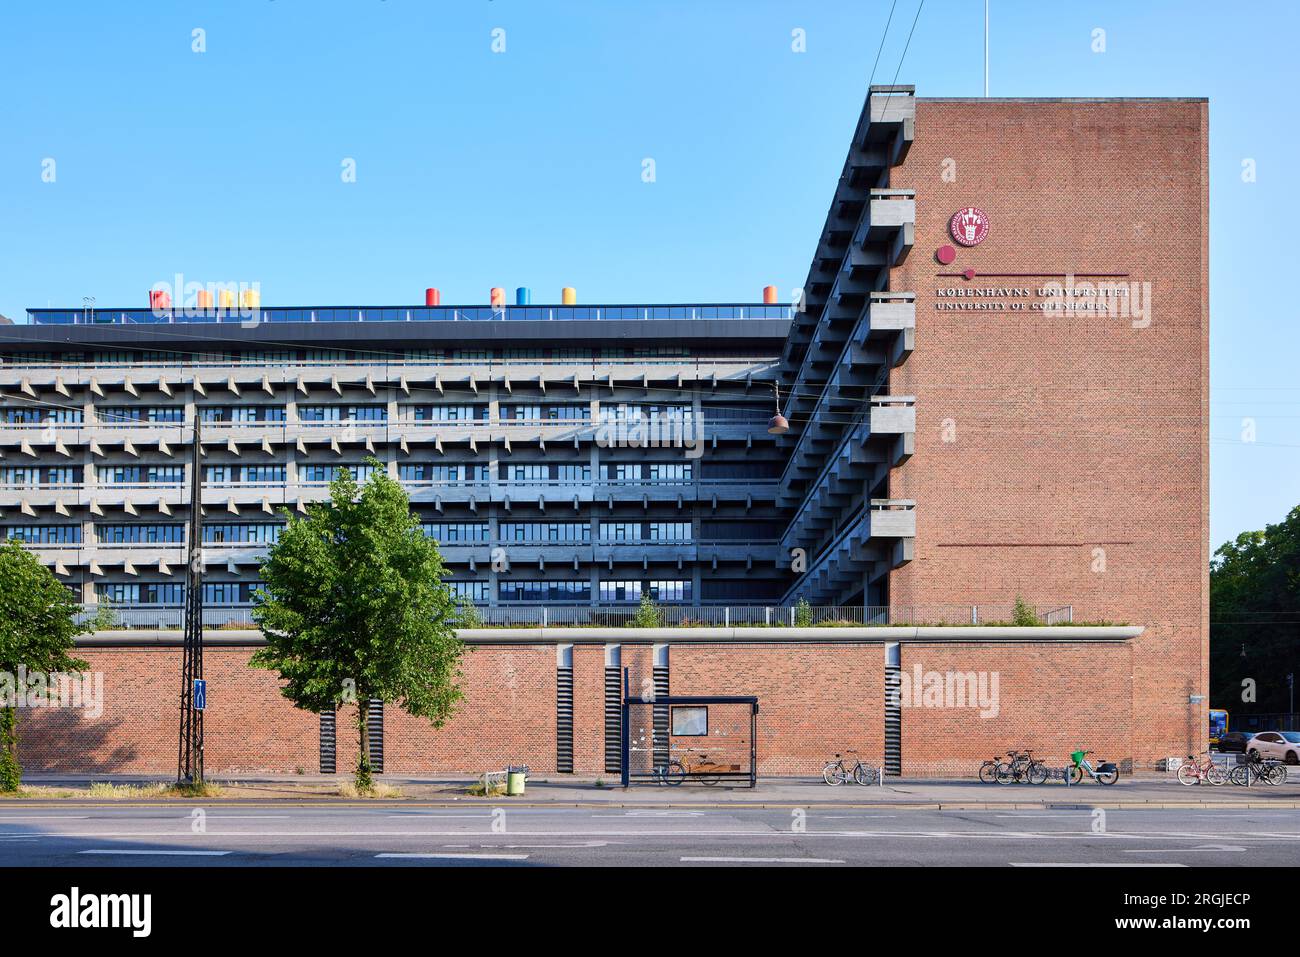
(200, 694)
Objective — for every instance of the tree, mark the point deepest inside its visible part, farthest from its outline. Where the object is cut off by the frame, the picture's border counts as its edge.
(38, 621)
(354, 608)
(1255, 618)
(648, 614)
(1024, 615)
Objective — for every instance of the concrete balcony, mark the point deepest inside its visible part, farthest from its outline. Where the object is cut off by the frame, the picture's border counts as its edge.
(892, 518)
(893, 414)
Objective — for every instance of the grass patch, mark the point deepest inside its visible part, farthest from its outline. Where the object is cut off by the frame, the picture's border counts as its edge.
(477, 789)
(348, 789)
(116, 792)
(39, 791)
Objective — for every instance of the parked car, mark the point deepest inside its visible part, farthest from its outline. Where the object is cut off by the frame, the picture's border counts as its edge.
(1282, 745)
(1233, 742)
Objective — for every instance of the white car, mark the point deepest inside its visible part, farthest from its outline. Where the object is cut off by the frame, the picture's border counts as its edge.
(1282, 745)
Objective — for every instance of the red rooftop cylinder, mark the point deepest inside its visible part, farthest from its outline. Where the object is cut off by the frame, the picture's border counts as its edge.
(769, 295)
(498, 299)
(432, 297)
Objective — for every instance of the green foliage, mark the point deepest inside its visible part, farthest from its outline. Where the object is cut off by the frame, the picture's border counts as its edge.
(648, 614)
(353, 607)
(1024, 615)
(11, 772)
(803, 614)
(1254, 610)
(467, 616)
(38, 621)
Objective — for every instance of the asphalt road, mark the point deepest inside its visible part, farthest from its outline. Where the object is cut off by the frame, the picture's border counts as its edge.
(405, 836)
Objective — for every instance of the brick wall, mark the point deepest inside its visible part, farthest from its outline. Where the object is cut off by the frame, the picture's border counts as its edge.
(814, 700)
(1053, 699)
(1069, 434)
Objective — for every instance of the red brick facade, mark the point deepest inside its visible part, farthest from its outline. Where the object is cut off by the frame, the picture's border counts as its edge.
(814, 700)
(1067, 458)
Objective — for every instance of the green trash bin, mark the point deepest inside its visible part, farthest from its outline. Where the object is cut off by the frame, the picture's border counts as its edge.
(515, 781)
(1077, 756)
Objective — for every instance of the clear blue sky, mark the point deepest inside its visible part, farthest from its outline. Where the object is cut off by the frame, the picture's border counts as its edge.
(476, 169)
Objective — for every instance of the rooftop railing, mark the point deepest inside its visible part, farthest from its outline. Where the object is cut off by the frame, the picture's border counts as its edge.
(240, 617)
(256, 315)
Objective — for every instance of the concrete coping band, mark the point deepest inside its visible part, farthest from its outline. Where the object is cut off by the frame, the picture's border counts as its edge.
(1053, 634)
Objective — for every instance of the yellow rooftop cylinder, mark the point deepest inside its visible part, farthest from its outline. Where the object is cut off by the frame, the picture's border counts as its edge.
(569, 296)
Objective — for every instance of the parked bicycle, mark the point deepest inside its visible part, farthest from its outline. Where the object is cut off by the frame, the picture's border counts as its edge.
(1193, 771)
(702, 768)
(836, 773)
(1105, 772)
(988, 772)
(1022, 768)
(1266, 771)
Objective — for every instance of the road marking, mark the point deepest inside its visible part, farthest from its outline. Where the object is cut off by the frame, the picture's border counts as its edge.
(759, 860)
(1092, 864)
(158, 853)
(1186, 850)
(457, 857)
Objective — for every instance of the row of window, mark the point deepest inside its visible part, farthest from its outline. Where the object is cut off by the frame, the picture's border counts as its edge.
(241, 593)
(579, 591)
(173, 593)
(447, 533)
(468, 473)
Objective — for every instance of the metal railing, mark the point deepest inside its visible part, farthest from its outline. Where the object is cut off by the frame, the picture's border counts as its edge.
(164, 617)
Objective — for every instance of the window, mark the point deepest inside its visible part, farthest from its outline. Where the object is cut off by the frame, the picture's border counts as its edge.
(324, 474)
(631, 591)
(42, 534)
(138, 534)
(476, 591)
(257, 533)
(690, 721)
(445, 413)
(454, 533)
(538, 591)
(229, 593)
(545, 532)
(141, 593)
(668, 472)
(117, 414)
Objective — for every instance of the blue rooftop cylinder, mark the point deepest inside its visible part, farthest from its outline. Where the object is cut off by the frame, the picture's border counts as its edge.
(523, 296)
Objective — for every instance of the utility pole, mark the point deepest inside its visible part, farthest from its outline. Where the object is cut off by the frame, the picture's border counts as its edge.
(189, 761)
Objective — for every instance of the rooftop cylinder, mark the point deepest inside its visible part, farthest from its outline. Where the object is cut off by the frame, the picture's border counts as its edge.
(769, 295)
(432, 297)
(498, 297)
(523, 296)
(569, 296)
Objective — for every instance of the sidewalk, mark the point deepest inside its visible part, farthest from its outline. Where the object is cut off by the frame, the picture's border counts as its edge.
(1147, 792)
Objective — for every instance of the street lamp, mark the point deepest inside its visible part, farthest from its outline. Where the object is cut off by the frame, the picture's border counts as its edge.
(778, 424)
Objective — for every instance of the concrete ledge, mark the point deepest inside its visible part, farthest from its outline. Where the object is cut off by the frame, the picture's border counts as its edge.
(144, 638)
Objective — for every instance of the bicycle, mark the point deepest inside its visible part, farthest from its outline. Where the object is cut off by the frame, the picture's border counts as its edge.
(1024, 767)
(835, 773)
(709, 772)
(1105, 772)
(1268, 771)
(1194, 772)
(988, 772)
